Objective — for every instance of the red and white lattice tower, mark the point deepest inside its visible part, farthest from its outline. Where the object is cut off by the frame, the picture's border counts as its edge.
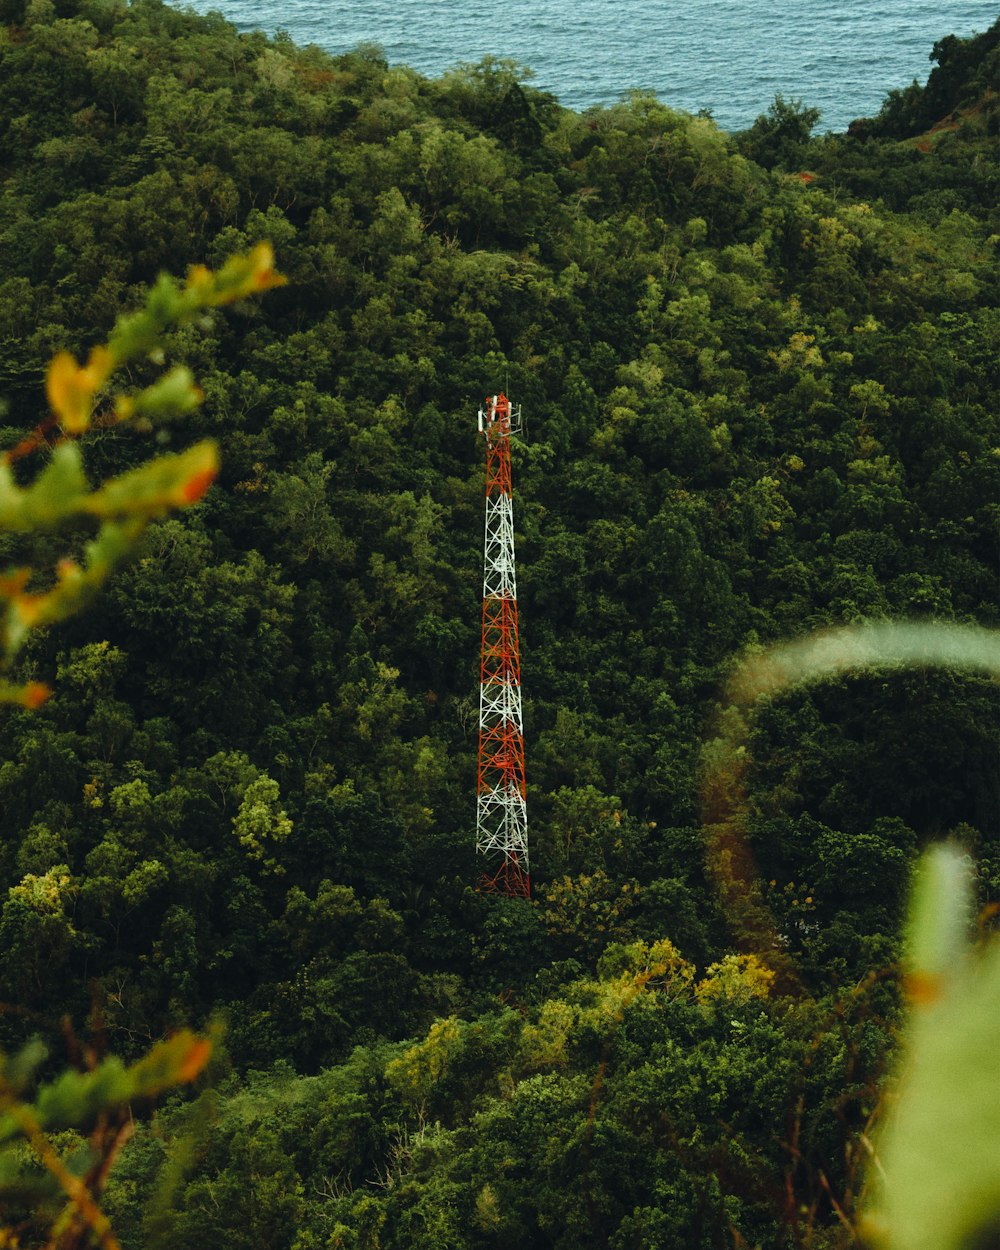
(501, 811)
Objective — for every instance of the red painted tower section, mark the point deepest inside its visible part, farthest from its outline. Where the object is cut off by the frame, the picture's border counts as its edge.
(501, 815)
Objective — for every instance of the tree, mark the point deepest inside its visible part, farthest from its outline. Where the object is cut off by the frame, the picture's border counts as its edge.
(779, 138)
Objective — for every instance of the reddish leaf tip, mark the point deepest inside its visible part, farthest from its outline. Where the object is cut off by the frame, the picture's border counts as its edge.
(35, 693)
(195, 1059)
(195, 487)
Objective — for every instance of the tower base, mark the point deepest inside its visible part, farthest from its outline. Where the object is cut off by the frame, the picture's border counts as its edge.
(510, 879)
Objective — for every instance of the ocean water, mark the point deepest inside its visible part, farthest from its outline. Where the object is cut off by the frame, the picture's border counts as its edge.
(728, 56)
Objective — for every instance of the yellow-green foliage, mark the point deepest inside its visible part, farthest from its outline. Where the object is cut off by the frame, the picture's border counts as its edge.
(260, 822)
(418, 1070)
(628, 976)
(544, 1045)
(589, 907)
(738, 978)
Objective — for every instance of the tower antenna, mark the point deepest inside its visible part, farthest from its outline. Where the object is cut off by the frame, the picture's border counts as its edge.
(501, 808)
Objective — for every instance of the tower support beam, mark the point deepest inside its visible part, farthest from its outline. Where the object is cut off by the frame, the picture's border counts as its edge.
(501, 807)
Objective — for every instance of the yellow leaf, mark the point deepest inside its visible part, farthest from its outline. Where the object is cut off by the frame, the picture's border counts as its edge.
(29, 608)
(199, 275)
(263, 274)
(71, 388)
(69, 397)
(241, 276)
(100, 366)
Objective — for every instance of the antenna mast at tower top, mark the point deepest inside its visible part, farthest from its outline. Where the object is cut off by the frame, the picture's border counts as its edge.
(501, 809)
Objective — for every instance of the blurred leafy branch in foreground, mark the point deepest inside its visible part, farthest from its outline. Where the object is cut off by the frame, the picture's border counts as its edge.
(934, 1173)
(99, 1101)
(764, 674)
(935, 1176)
(124, 505)
(45, 1161)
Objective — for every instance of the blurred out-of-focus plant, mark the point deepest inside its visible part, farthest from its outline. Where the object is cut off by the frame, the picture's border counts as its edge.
(59, 1140)
(934, 1180)
(763, 674)
(934, 1174)
(80, 397)
(90, 1113)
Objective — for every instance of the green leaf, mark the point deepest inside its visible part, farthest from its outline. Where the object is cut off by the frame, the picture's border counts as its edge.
(171, 481)
(54, 494)
(938, 1153)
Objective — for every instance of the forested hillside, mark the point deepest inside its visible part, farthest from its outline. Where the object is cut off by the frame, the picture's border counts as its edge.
(760, 380)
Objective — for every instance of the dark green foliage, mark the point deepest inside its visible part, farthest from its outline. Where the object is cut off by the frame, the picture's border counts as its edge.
(779, 139)
(966, 74)
(757, 404)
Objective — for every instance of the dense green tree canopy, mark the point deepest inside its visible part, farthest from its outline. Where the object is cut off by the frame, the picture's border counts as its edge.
(759, 373)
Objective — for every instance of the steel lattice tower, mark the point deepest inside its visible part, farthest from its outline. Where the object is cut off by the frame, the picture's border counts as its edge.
(501, 811)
